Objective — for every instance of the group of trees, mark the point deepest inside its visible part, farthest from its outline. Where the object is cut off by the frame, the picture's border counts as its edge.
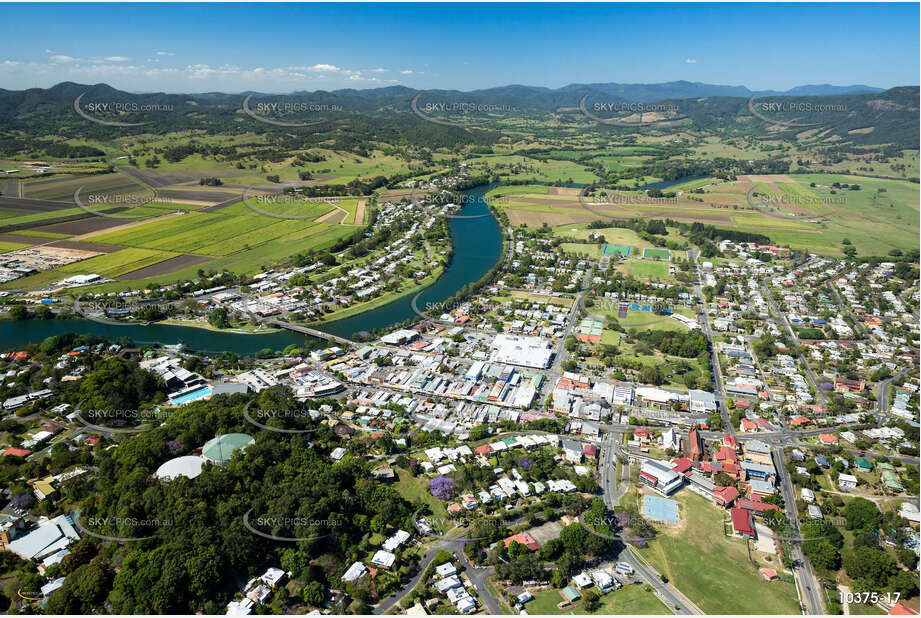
(867, 561)
(198, 542)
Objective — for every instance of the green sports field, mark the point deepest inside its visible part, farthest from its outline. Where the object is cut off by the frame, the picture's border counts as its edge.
(655, 254)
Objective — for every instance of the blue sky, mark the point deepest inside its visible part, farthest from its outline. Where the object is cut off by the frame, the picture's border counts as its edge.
(285, 47)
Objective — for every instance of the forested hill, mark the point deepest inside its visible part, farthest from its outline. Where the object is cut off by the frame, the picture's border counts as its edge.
(849, 115)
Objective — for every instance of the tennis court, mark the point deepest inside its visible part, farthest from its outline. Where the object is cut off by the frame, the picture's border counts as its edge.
(656, 254)
(623, 250)
(660, 509)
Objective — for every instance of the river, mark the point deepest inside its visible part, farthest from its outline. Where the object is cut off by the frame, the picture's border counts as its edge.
(477, 247)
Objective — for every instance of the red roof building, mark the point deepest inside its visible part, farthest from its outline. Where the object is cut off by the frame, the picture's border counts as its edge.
(724, 496)
(17, 452)
(730, 441)
(682, 465)
(730, 468)
(747, 425)
(590, 450)
(695, 445)
(523, 538)
(902, 610)
(800, 421)
(742, 523)
(828, 438)
(726, 454)
(484, 449)
(643, 434)
(756, 506)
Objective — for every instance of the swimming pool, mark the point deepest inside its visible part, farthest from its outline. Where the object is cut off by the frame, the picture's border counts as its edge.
(202, 392)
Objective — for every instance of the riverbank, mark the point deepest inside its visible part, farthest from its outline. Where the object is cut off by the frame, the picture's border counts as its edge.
(259, 329)
(341, 314)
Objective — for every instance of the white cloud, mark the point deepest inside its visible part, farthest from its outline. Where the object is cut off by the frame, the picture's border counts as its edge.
(690, 61)
(165, 53)
(407, 72)
(121, 73)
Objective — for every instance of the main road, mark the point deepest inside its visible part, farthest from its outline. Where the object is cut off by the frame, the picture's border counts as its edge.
(806, 581)
(716, 370)
(673, 598)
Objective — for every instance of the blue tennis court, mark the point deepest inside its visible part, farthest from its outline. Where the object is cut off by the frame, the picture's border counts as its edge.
(660, 509)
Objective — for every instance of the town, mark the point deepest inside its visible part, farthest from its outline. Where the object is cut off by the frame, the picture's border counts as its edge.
(768, 405)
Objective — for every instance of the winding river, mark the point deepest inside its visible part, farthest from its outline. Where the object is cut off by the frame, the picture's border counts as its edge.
(477, 247)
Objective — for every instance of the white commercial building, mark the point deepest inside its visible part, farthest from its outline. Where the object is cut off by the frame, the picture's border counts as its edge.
(533, 352)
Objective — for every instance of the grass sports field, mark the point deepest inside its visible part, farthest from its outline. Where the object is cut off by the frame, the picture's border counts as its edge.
(704, 564)
(642, 269)
(655, 254)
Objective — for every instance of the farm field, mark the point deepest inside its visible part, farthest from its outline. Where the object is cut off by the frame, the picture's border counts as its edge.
(62, 189)
(517, 166)
(109, 266)
(699, 540)
(39, 234)
(881, 216)
(230, 230)
(11, 246)
(244, 261)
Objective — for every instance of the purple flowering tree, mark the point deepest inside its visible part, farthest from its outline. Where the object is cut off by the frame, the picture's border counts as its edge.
(525, 463)
(174, 446)
(22, 501)
(442, 487)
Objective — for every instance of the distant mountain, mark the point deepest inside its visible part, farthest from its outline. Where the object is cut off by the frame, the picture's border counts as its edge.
(638, 93)
(870, 115)
(650, 93)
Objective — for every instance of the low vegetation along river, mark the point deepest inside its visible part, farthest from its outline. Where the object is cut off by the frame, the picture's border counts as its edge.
(477, 247)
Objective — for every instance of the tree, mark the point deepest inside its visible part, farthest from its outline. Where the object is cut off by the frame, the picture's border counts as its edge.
(313, 593)
(218, 318)
(19, 312)
(822, 554)
(83, 591)
(870, 566)
(860, 514)
(909, 558)
(590, 600)
(905, 583)
(442, 487)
